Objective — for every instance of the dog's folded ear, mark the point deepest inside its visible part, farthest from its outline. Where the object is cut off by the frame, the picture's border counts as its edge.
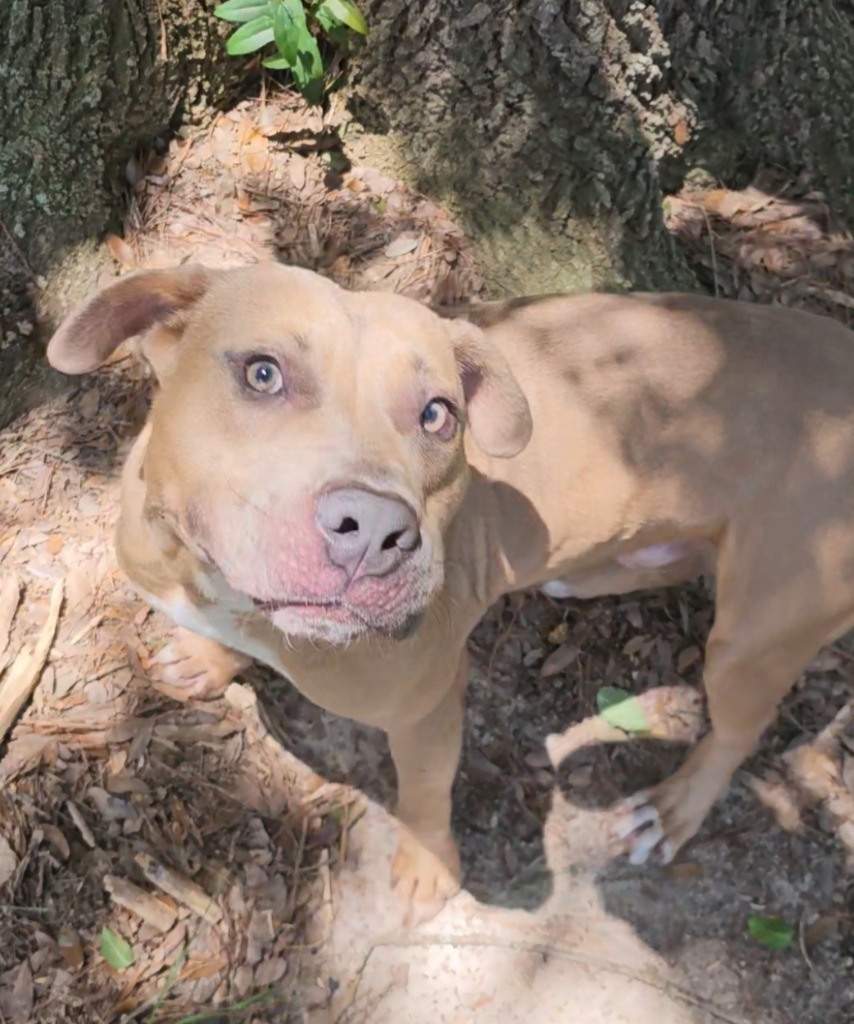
(498, 413)
(129, 307)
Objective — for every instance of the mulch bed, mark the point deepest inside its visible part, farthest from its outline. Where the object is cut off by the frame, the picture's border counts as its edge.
(186, 834)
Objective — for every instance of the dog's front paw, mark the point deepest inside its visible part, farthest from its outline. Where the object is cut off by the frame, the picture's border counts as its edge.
(191, 666)
(424, 880)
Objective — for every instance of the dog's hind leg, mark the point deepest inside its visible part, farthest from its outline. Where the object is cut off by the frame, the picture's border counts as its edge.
(775, 609)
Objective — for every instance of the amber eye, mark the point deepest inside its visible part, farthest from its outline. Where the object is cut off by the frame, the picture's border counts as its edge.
(439, 420)
(264, 376)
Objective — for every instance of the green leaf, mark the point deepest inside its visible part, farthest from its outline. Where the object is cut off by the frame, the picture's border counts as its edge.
(290, 29)
(308, 70)
(115, 950)
(251, 36)
(241, 10)
(771, 931)
(277, 64)
(344, 12)
(620, 709)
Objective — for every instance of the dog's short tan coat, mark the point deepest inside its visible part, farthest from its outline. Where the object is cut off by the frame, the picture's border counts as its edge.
(605, 444)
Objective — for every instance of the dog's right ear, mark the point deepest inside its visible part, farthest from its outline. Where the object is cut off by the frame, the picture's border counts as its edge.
(129, 307)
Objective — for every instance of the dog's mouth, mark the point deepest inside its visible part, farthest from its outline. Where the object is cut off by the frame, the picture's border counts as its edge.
(331, 609)
(334, 621)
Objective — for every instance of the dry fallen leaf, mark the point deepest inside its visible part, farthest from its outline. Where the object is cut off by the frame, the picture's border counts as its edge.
(8, 861)
(688, 657)
(70, 947)
(56, 839)
(16, 995)
(401, 246)
(559, 634)
(822, 928)
(559, 660)
(580, 778)
(686, 870)
(268, 972)
(635, 645)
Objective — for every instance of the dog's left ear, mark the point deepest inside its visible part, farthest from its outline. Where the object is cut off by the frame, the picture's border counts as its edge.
(498, 412)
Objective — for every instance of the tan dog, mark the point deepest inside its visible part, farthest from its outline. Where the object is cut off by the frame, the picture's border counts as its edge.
(340, 484)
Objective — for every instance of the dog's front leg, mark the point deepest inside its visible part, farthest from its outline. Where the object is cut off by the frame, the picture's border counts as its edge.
(426, 868)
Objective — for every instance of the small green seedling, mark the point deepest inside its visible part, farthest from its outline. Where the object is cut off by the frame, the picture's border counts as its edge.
(115, 950)
(288, 24)
(771, 931)
(619, 708)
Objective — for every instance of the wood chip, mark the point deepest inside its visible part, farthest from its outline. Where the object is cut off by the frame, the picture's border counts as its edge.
(187, 893)
(10, 595)
(18, 685)
(151, 909)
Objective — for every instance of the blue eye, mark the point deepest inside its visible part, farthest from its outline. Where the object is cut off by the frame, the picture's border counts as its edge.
(438, 419)
(264, 376)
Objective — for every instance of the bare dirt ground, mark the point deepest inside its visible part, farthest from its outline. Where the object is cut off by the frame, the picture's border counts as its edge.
(237, 850)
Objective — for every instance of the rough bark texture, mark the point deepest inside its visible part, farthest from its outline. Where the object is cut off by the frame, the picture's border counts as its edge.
(555, 127)
(82, 83)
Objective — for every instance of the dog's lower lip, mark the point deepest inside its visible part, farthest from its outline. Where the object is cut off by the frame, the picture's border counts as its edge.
(275, 606)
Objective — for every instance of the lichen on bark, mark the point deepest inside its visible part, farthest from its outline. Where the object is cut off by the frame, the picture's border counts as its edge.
(82, 83)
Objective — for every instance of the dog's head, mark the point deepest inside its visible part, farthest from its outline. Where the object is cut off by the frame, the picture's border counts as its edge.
(306, 441)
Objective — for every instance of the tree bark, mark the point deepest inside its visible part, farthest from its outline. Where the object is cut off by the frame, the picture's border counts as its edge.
(82, 84)
(555, 128)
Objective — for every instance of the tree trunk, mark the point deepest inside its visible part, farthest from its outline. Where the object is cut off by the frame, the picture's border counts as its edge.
(82, 84)
(556, 127)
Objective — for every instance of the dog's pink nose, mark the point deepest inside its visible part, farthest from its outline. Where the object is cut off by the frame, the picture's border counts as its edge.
(367, 534)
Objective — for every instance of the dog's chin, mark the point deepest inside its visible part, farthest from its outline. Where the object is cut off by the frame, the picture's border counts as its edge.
(338, 626)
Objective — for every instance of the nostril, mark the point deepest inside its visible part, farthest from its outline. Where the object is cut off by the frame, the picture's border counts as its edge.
(393, 540)
(347, 525)
(405, 540)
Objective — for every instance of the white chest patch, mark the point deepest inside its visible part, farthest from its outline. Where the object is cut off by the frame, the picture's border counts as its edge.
(220, 620)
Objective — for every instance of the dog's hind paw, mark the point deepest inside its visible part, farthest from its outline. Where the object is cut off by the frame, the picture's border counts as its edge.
(640, 827)
(191, 666)
(656, 823)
